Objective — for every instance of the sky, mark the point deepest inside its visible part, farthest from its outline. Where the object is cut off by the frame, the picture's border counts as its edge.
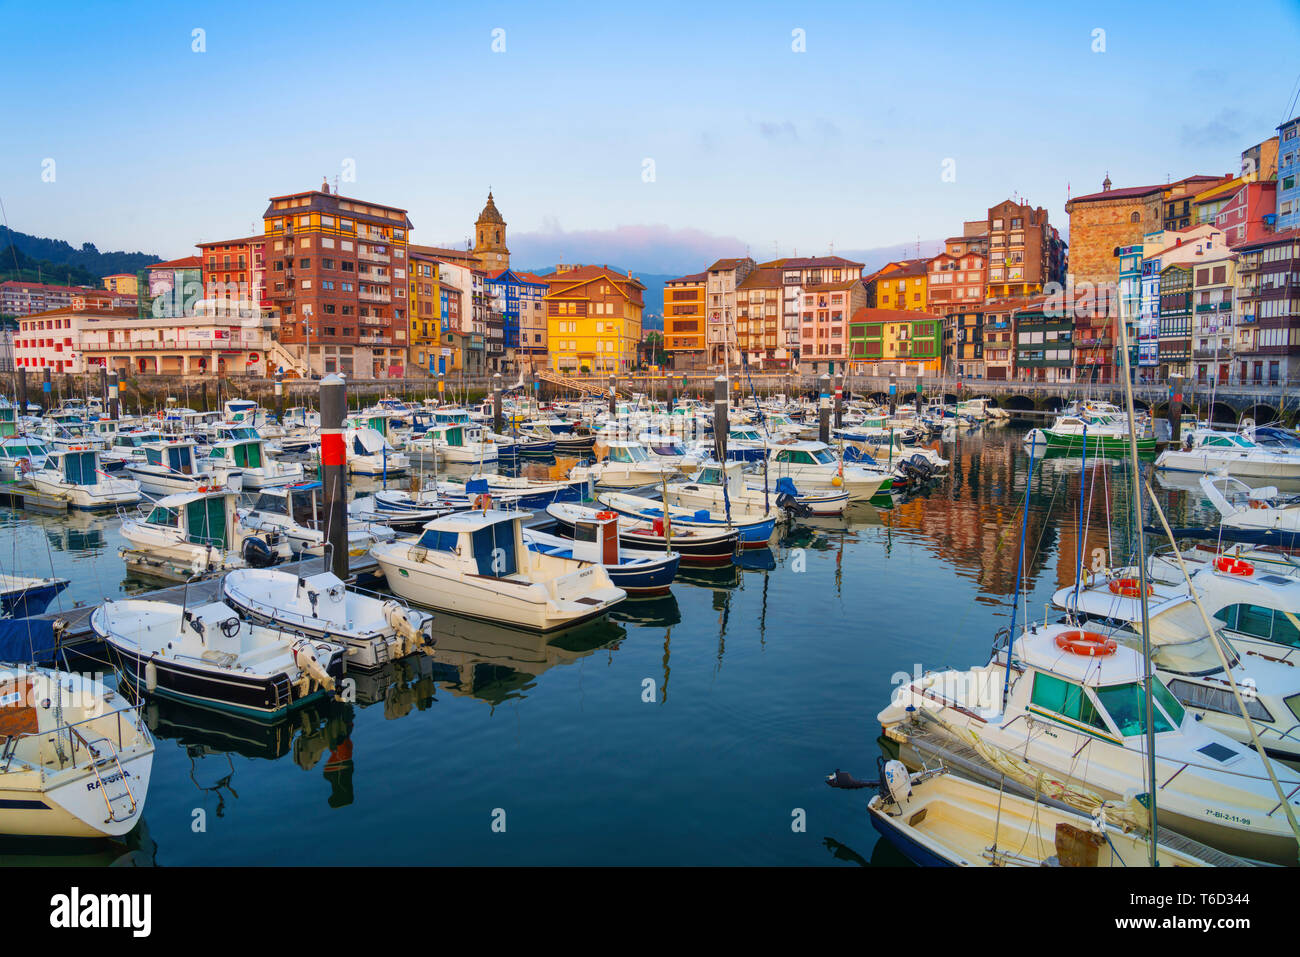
(655, 137)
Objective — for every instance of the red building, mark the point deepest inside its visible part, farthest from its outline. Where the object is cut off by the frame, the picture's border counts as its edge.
(233, 270)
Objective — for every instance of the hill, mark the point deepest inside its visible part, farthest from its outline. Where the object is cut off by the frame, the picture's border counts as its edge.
(58, 260)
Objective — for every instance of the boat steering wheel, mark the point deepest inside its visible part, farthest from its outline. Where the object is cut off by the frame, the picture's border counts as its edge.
(230, 627)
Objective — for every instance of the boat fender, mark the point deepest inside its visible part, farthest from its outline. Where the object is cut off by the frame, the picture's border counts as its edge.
(151, 676)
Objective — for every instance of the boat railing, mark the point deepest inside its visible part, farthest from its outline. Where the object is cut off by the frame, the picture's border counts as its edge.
(72, 748)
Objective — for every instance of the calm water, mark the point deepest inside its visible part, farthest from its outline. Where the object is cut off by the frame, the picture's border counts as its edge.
(763, 680)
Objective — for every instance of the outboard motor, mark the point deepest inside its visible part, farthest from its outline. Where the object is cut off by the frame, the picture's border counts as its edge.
(257, 553)
(895, 782)
(923, 466)
(787, 498)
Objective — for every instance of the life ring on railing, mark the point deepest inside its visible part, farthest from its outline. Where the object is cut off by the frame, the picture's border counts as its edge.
(1258, 503)
(1233, 566)
(483, 501)
(606, 516)
(1086, 643)
(1127, 587)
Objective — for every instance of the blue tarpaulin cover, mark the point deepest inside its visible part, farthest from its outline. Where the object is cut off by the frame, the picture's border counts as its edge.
(785, 486)
(26, 640)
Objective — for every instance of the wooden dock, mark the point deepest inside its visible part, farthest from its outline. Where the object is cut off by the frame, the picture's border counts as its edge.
(23, 495)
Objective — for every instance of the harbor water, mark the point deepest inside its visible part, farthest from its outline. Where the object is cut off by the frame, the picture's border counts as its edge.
(694, 729)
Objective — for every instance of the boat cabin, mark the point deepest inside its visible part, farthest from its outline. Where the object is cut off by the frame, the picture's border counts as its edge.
(78, 466)
(244, 454)
(488, 542)
(300, 503)
(202, 518)
(172, 457)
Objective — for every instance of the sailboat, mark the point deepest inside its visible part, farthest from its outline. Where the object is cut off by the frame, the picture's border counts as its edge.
(77, 756)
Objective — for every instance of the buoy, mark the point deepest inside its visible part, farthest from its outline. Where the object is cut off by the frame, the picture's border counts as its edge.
(836, 481)
(1233, 566)
(1086, 643)
(1128, 587)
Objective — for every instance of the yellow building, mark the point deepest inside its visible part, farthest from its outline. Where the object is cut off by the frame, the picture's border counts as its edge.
(593, 319)
(123, 282)
(903, 285)
(425, 308)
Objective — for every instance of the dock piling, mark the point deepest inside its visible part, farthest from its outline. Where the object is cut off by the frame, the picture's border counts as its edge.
(824, 408)
(333, 460)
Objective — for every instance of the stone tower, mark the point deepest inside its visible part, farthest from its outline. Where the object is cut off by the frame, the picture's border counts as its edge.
(490, 239)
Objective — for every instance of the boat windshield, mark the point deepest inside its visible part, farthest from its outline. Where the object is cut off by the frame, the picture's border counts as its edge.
(824, 457)
(1126, 705)
(164, 516)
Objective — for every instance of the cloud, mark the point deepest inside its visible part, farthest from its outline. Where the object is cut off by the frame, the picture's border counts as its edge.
(1224, 127)
(651, 248)
(775, 132)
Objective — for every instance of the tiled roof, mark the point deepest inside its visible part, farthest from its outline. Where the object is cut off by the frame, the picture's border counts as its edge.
(186, 262)
(693, 277)
(260, 238)
(726, 264)
(867, 314)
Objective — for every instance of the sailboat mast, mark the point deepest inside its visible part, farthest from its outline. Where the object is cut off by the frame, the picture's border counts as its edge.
(1142, 589)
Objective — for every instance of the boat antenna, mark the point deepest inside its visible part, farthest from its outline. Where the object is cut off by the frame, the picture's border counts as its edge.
(1142, 589)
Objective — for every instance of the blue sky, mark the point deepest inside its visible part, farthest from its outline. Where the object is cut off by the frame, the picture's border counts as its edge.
(754, 146)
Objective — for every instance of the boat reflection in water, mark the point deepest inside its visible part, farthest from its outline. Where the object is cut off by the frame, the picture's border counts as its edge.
(212, 737)
(135, 848)
(659, 612)
(495, 664)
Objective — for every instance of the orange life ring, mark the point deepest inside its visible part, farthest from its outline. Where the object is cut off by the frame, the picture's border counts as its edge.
(606, 516)
(1233, 566)
(1258, 503)
(1127, 587)
(1086, 643)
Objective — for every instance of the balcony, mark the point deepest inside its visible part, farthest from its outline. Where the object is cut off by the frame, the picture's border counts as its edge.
(366, 276)
(1221, 353)
(373, 256)
(367, 295)
(373, 321)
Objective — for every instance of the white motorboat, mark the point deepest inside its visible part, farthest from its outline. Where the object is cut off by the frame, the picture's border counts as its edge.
(1074, 706)
(248, 458)
(1210, 451)
(77, 756)
(296, 514)
(706, 490)
(451, 444)
(172, 467)
(815, 465)
(1183, 651)
(626, 464)
(1254, 510)
(209, 656)
(375, 629)
(476, 564)
(74, 475)
(370, 453)
(197, 533)
(20, 455)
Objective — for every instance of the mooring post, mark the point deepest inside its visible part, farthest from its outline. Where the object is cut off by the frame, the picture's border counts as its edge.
(103, 387)
(839, 400)
(22, 391)
(47, 391)
(720, 426)
(114, 404)
(496, 404)
(893, 394)
(1175, 406)
(333, 460)
(824, 408)
(279, 396)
